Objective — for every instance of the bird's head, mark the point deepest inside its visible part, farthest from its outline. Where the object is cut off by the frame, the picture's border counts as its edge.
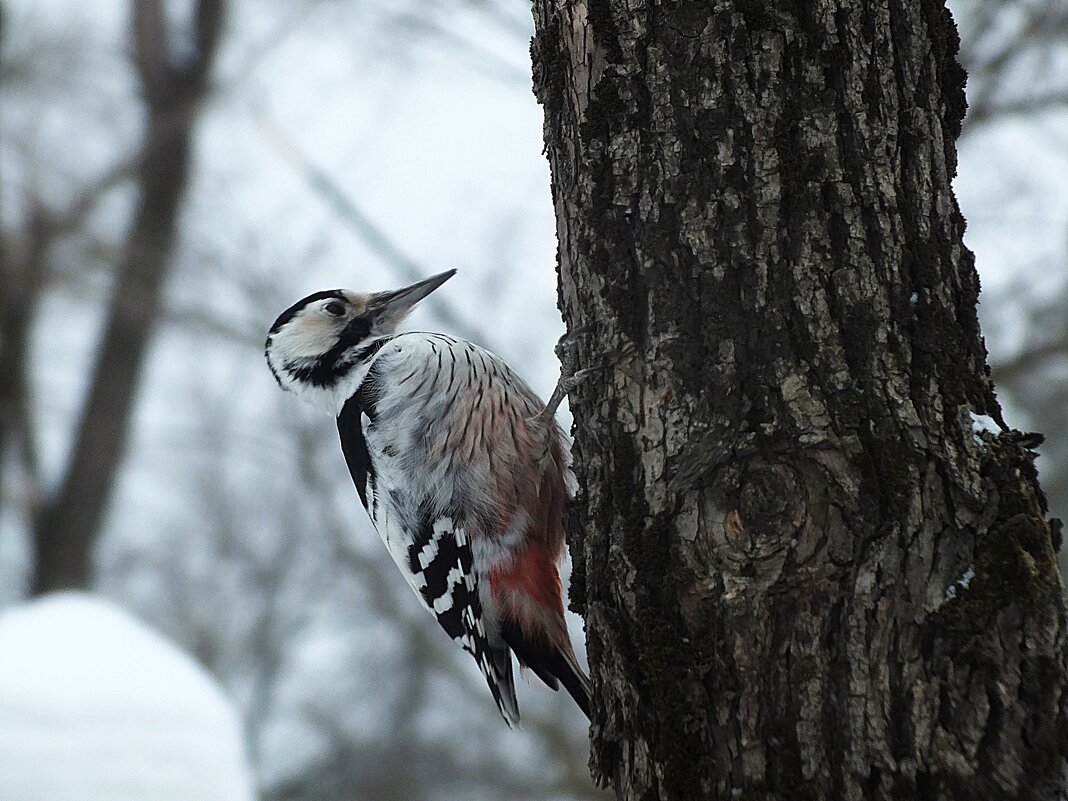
(314, 346)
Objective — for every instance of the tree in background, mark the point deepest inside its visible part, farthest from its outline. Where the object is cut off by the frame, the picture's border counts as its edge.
(174, 80)
(813, 561)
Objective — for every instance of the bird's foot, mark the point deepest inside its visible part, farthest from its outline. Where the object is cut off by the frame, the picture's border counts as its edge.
(570, 376)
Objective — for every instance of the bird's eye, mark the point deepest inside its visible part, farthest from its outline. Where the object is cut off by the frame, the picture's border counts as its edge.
(335, 308)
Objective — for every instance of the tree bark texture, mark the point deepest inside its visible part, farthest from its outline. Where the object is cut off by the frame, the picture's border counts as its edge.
(804, 574)
(173, 88)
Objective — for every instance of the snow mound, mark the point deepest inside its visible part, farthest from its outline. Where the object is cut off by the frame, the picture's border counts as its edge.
(95, 706)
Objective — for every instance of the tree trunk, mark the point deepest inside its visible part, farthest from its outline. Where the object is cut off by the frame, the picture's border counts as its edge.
(173, 87)
(805, 573)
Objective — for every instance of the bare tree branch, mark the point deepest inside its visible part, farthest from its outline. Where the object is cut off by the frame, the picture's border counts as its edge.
(21, 283)
(369, 232)
(995, 58)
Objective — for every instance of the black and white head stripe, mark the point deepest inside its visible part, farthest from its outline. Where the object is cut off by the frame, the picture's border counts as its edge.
(441, 556)
(325, 369)
(291, 312)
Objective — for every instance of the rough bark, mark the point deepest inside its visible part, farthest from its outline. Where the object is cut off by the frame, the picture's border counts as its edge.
(803, 574)
(174, 81)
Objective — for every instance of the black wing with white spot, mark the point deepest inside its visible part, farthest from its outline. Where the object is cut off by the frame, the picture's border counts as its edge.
(441, 556)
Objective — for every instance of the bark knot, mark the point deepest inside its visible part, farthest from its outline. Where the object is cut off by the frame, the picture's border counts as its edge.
(755, 533)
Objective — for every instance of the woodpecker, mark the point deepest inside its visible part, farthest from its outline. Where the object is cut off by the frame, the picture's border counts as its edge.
(462, 470)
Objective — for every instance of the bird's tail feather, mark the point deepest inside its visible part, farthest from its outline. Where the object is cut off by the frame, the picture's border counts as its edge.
(549, 663)
(576, 682)
(497, 668)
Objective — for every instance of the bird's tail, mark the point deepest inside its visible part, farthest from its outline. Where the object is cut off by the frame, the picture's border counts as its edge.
(575, 681)
(496, 666)
(550, 662)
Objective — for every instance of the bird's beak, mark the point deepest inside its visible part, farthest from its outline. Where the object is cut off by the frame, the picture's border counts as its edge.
(394, 305)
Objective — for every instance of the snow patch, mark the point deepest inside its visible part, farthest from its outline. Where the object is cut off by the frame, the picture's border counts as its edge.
(95, 706)
(983, 423)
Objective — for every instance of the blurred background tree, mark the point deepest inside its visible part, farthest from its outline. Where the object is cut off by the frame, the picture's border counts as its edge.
(356, 145)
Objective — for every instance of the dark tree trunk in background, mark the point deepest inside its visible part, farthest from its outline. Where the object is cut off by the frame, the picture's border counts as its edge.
(803, 575)
(174, 81)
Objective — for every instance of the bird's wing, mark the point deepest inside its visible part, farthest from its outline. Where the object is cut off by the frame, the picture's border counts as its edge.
(432, 550)
(351, 422)
(439, 557)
